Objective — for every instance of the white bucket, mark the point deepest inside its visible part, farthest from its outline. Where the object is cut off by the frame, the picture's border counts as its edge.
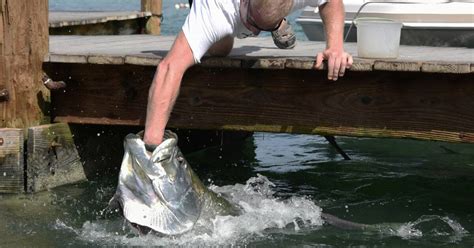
(377, 37)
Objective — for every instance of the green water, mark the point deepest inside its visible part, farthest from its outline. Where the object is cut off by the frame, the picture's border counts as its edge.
(390, 183)
(417, 194)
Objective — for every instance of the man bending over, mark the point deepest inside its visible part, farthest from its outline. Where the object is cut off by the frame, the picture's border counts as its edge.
(211, 27)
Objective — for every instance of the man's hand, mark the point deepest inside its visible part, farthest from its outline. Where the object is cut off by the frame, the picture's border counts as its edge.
(338, 61)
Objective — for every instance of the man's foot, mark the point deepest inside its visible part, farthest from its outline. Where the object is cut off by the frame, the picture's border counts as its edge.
(284, 37)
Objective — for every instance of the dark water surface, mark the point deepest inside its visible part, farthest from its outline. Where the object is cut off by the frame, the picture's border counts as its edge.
(414, 193)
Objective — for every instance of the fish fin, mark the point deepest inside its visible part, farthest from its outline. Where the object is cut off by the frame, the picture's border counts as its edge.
(343, 224)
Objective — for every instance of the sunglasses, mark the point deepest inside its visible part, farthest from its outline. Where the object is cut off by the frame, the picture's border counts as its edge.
(252, 22)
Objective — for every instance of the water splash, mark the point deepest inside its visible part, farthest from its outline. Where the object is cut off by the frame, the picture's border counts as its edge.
(262, 213)
(426, 225)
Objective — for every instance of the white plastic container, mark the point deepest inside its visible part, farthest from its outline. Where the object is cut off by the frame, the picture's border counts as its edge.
(377, 37)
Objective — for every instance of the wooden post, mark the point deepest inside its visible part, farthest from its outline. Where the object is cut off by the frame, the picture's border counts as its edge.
(153, 26)
(24, 100)
(53, 159)
(12, 178)
(24, 44)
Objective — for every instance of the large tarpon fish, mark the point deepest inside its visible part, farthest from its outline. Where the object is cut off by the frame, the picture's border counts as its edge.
(159, 191)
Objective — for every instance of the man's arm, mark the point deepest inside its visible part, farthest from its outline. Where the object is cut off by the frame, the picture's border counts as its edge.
(165, 88)
(332, 14)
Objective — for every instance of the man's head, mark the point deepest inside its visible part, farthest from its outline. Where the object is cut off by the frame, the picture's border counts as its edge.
(264, 15)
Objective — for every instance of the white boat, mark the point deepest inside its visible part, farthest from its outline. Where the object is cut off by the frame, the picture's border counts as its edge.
(426, 23)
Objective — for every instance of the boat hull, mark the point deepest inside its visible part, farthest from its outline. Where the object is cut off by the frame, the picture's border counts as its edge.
(450, 24)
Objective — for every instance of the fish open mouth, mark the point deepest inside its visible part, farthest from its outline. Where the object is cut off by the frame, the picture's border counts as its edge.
(156, 190)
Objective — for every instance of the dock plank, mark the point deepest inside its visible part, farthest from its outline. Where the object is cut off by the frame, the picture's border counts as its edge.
(397, 66)
(61, 58)
(446, 67)
(259, 53)
(142, 60)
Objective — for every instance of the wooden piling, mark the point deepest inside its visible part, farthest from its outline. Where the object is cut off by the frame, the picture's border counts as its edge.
(52, 158)
(24, 44)
(155, 7)
(24, 102)
(11, 160)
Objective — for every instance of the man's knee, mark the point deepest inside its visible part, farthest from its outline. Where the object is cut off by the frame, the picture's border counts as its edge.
(222, 47)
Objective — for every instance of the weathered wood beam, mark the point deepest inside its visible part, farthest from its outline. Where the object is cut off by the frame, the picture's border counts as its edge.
(367, 104)
(153, 25)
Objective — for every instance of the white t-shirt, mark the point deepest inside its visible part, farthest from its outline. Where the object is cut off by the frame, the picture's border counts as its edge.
(211, 20)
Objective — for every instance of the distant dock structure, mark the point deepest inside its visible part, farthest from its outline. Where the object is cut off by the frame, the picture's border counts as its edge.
(146, 21)
(97, 23)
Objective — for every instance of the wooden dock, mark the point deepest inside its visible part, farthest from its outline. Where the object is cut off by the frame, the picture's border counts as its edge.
(146, 21)
(427, 93)
(97, 23)
(256, 53)
(74, 18)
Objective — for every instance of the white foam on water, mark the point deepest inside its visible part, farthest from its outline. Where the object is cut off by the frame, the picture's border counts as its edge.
(413, 229)
(262, 213)
(60, 225)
